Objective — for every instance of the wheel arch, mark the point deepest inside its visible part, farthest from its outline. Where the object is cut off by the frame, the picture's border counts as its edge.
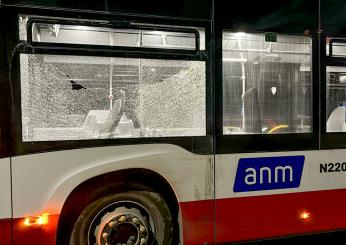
(115, 182)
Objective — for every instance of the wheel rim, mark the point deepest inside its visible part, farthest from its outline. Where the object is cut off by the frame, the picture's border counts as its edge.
(120, 223)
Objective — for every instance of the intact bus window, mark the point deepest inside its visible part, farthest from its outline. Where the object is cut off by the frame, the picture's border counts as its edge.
(94, 35)
(79, 97)
(267, 86)
(336, 99)
(336, 87)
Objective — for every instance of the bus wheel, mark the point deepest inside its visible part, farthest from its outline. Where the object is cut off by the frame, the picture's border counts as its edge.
(130, 218)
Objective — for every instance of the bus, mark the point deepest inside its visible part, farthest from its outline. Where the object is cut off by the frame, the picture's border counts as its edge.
(172, 122)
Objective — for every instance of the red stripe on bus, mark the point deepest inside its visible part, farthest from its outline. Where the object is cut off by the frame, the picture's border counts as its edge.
(45, 234)
(198, 222)
(250, 218)
(5, 232)
(237, 219)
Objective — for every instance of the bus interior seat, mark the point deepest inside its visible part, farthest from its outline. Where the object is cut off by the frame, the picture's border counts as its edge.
(336, 120)
(96, 122)
(103, 120)
(252, 111)
(95, 118)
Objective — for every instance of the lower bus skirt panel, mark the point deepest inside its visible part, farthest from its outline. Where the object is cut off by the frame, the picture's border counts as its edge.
(237, 219)
(270, 216)
(5, 232)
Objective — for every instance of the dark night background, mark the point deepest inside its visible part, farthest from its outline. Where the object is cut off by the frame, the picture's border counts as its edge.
(289, 16)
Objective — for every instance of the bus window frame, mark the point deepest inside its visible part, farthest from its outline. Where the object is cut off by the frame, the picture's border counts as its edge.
(246, 143)
(5, 104)
(195, 144)
(124, 25)
(329, 140)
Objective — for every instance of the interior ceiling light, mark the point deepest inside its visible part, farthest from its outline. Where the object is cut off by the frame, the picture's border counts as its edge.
(342, 79)
(82, 28)
(239, 34)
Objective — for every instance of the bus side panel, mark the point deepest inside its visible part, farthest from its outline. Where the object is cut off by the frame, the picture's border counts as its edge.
(265, 203)
(5, 202)
(42, 182)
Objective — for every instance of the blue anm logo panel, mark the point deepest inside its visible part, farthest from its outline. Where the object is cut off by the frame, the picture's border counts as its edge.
(268, 173)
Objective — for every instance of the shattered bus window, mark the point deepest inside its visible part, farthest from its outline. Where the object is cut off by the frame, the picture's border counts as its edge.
(81, 97)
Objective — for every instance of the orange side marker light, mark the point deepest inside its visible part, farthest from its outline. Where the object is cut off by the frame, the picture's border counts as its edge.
(305, 215)
(36, 220)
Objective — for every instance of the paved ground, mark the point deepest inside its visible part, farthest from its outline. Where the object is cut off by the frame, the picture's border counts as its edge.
(331, 238)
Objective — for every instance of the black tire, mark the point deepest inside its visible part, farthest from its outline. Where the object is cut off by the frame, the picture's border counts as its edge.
(154, 205)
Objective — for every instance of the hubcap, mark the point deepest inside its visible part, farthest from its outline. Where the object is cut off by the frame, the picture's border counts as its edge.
(121, 223)
(123, 233)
